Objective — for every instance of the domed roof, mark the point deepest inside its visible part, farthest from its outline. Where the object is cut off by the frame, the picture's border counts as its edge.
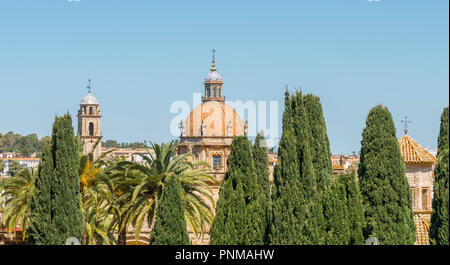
(213, 76)
(219, 119)
(89, 99)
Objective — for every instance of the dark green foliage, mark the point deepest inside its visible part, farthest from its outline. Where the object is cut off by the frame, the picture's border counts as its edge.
(439, 229)
(261, 162)
(40, 231)
(343, 211)
(24, 145)
(115, 144)
(14, 167)
(240, 216)
(170, 222)
(297, 216)
(385, 190)
(58, 177)
(318, 142)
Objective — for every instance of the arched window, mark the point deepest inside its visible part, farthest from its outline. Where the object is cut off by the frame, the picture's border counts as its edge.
(214, 91)
(216, 162)
(208, 92)
(91, 128)
(91, 110)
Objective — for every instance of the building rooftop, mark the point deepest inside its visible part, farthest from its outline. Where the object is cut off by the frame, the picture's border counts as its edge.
(413, 152)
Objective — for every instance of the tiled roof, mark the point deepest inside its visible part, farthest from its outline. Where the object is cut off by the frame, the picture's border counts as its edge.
(413, 152)
(422, 222)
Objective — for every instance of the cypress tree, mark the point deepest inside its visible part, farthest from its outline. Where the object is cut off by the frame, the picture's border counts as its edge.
(297, 217)
(318, 142)
(285, 227)
(57, 186)
(384, 187)
(311, 207)
(170, 222)
(336, 213)
(261, 162)
(344, 212)
(240, 216)
(40, 229)
(355, 209)
(439, 229)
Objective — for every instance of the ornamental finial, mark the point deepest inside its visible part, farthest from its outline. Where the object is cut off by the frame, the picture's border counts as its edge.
(213, 67)
(406, 121)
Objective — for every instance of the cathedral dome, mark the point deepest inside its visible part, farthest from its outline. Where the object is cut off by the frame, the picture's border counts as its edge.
(213, 76)
(214, 118)
(89, 99)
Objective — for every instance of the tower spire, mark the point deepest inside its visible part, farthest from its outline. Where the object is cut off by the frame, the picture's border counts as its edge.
(213, 67)
(89, 85)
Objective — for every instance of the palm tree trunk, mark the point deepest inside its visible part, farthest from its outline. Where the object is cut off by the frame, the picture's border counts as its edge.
(83, 235)
(122, 237)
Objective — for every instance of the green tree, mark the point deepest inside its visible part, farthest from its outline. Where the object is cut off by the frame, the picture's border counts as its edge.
(15, 192)
(439, 229)
(343, 211)
(14, 167)
(40, 230)
(240, 216)
(285, 225)
(261, 162)
(170, 223)
(385, 190)
(146, 182)
(2, 166)
(318, 142)
(297, 217)
(95, 197)
(60, 175)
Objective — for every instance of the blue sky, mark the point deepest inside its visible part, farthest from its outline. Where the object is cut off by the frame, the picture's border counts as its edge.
(144, 55)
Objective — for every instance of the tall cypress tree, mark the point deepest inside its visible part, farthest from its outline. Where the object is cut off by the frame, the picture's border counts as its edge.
(240, 217)
(343, 211)
(40, 231)
(337, 214)
(261, 162)
(297, 217)
(355, 209)
(170, 222)
(57, 186)
(318, 142)
(384, 187)
(439, 229)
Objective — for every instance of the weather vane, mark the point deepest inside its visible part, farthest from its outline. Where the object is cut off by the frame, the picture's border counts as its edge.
(89, 85)
(213, 51)
(406, 121)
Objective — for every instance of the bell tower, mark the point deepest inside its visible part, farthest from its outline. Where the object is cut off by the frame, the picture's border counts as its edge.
(213, 83)
(89, 124)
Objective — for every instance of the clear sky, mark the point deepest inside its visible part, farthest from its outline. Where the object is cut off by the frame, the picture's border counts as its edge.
(144, 55)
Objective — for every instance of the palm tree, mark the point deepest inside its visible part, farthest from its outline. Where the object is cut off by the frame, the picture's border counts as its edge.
(16, 192)
(94, 194)
(157, 167)
(120, 180)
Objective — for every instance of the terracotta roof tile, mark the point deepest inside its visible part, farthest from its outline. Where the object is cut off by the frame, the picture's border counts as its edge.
(413, 152)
